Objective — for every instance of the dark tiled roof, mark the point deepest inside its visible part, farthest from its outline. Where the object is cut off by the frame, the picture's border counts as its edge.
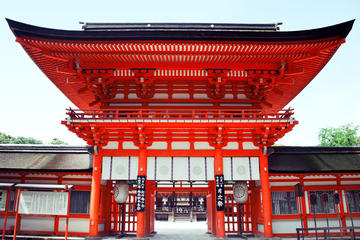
(314, 159)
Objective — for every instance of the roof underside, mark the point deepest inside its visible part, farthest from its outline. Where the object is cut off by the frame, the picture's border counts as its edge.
(263, 69)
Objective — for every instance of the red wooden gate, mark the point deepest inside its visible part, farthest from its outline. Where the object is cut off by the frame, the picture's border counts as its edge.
(130, 215)
(232, 215)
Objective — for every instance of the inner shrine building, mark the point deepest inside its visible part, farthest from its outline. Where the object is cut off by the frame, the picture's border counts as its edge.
(180, 108)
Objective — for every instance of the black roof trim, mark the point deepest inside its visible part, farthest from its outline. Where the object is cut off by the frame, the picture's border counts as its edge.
(314, 159)
(313, 149)
(201, 34)
(38, 148)
(96, 26)
(89, 170)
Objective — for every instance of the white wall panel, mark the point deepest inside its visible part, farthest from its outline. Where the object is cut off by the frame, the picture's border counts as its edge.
(163, 168)
(105, 169)
(255, 168)
(111, 145)
(158, 145)
(134, 163)
(150, 171)
(232, 145)
(249, 146)
(129, 145)
(210, 168)
(10, 222)
(197, 168)
(180, 145)
(202, 146)
(180, 168)
(285, 225)
(241, 170)
(227, 166)
(75, 224)
(31, 223)
(120, 168)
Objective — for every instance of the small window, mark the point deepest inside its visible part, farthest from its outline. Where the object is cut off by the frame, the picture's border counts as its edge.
(80, 202)
(321, 206)
(284, 203)
(3, 198)
(353, 199)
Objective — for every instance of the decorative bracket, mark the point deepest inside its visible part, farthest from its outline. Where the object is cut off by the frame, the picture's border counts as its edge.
(217, 79)
(142, 140)
(218, 138)
(144, 78)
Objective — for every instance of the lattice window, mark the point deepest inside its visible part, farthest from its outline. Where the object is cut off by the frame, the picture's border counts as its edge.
(353, 200)
(284, 203)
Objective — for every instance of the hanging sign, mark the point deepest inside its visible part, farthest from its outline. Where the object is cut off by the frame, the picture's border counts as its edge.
(39, 202)
(220, 194)
(140, 194)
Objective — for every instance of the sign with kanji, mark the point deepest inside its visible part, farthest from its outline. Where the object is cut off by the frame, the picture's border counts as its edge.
(140, 193)
(220, 193)
(47, 203)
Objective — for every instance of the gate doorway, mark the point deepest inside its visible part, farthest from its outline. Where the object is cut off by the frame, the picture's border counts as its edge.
(180, 201)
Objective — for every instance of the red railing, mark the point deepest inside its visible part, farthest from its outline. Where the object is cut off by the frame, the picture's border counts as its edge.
(159, 114)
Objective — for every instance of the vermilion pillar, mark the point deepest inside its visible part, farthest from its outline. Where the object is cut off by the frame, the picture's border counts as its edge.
(141, 216)
(95, 193)
(265, 191)
(218, 170)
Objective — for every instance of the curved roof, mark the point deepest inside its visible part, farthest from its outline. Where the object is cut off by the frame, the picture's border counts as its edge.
(74, 60)
(181, 32)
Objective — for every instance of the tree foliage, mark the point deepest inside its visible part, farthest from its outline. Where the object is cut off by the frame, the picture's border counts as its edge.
(57, 141)
(345, 135)
(7, 139)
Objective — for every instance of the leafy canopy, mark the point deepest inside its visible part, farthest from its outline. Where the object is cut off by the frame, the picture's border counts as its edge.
(345, 135)
(57, 141)
(7, 139)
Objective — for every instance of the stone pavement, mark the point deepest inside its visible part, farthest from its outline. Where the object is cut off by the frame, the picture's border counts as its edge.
(182, 231)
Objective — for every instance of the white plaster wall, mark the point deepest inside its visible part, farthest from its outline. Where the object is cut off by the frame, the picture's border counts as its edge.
(111, 145)
(356, 222)
(202, 146)
(75, 224)
(158, 145)
(285, 226)
(180, 145)
(249, 146)
(32, 223)
(10, 222)
(232, 145)
(333, 222)
(129, 145)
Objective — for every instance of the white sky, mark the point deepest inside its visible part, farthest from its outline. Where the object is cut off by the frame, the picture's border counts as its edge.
(31, 106)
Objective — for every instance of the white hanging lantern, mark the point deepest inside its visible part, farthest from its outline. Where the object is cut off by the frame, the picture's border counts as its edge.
(240, 191)
(121, 191)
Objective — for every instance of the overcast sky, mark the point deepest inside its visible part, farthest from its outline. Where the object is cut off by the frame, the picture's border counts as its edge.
(31, 106)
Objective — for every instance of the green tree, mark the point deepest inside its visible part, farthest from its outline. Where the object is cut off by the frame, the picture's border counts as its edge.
(57, 141)
(7, 139)
(345, 135)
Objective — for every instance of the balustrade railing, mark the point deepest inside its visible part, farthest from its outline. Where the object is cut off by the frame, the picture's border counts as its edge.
(159, 114)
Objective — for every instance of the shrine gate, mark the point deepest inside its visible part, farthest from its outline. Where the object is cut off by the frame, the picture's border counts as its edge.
(180, 108)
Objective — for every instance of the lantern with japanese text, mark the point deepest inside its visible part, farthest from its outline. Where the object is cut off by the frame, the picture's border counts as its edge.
(240, 190)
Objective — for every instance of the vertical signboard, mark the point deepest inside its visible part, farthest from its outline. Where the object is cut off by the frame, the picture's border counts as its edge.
(140, 194)
(220, 194)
